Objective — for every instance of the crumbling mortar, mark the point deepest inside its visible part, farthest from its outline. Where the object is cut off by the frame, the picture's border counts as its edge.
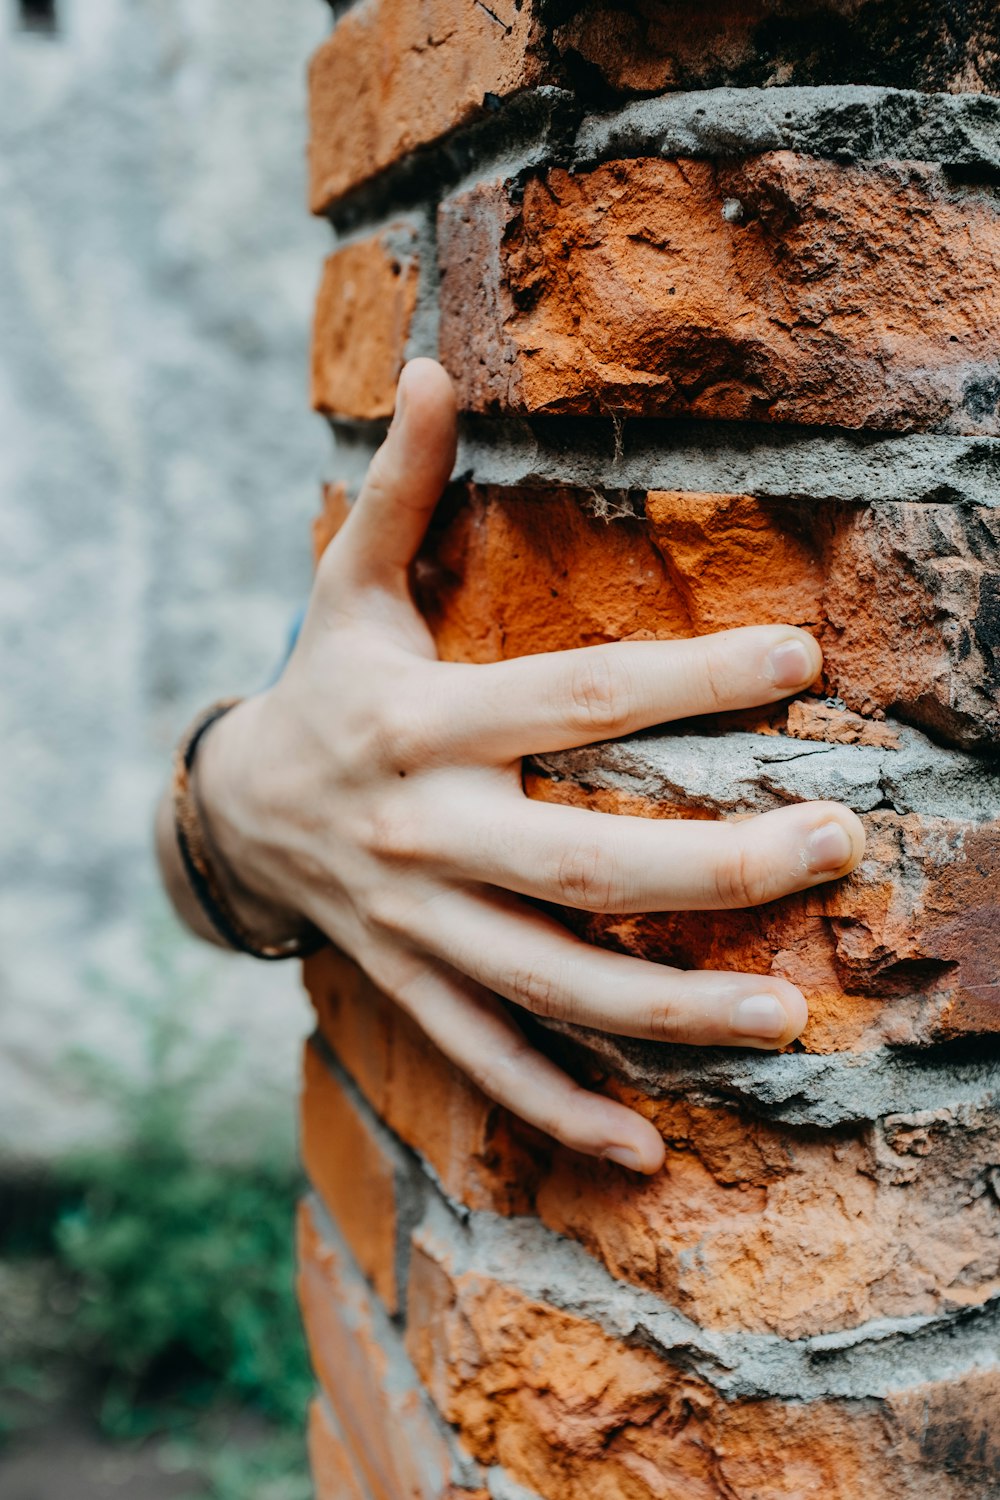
(843, 122)
(874, 1359)
(790, 462)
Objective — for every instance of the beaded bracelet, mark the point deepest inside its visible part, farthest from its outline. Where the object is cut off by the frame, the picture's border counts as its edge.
(197, 860)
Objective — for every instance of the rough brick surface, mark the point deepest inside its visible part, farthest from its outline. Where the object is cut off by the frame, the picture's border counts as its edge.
(647, 45)
(904, 599)
(896, 1219)
(353, 1173)
(569, 1410)
(781, 289)
(396, 75)
(363, 315)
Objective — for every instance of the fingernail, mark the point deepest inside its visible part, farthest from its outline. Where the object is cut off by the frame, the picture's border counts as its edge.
(761, 1016)
(624, 1156)
(828, 848)
(791, 665)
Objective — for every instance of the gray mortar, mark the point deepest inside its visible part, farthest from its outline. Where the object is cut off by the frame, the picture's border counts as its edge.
(801, 1088)
(739, 773)
(781, 462)
(878, 1358)
(845, 122)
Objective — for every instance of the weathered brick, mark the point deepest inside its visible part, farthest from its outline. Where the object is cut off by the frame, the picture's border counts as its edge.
(645, 46)
(480, 1154)
(794, 1231)
(570, 1410)
(364, 311)
(386, 1420)
(394, 76)
(333, 1469)
(904, 598)
(780, 288)
(352, 1172)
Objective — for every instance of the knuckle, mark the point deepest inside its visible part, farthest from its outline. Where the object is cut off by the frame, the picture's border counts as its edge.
(667, 1023)
(390, 912)
(739, 879)
(537, 991)
(715, 678)
(587, 878)
(393, 834)
(597, 696)
(400, 732)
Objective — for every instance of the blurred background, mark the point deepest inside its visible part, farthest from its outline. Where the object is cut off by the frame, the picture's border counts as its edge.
(158, 470)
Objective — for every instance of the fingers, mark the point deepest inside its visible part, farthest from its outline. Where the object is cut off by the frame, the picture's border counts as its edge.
(549, 702)
(472, 1028)
(383, 532)
(529, 958)
(611, 863)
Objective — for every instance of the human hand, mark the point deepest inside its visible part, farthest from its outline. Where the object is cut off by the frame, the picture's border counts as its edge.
(377, 791)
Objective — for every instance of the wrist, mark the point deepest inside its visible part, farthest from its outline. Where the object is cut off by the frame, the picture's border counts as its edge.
(231, 782)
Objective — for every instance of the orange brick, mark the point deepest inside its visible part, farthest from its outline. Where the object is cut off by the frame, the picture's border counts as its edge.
(899, 595)
(481, 1155)
(386, 1421)
(860, 296)
(394, 76)
(334, 1473)
(364, 312)
(644, 46)
(352, 1172)
(890, 1220)
(569, 1410)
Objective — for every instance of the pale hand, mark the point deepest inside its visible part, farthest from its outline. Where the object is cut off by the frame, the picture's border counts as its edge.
(377, 791)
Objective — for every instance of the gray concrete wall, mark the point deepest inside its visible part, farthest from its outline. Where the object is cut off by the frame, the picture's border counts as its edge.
(158, 468)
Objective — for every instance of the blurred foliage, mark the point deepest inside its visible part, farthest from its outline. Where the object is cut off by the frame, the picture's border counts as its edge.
(171, 1268)
(186, 1284)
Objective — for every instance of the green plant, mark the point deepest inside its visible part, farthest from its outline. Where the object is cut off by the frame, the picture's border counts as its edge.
(186, 1282)
(183, 1264)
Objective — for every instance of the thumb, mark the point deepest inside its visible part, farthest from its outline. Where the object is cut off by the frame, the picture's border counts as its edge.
(387, 523)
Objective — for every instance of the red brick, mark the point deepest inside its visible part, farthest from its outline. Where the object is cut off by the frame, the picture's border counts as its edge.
(352, 1172)
(862, 296)
(571, 1411)
(395, 75)
(385, 1418)
(645, 46)
(789, 1230)
(481, 1155)
(364, 312)
(901, 596)
(334, 1473)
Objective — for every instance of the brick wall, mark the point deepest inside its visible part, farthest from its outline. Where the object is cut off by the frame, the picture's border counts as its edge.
(720, 288)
